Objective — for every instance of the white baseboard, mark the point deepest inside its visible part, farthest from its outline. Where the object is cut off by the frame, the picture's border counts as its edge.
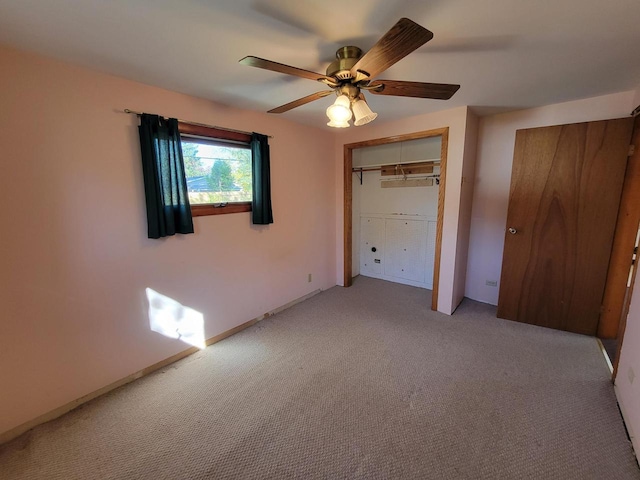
(606, 355)
(58, 412)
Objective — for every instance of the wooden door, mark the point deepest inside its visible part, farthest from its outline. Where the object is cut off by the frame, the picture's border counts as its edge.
(565, 192)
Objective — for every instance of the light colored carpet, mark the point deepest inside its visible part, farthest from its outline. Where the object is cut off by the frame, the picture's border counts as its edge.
(358, 383)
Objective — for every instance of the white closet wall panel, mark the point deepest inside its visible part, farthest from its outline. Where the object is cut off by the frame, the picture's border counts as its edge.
(377, 155)
(388, 154)
(431, 253)
(422, 149)
(406, 249)
(371, 238)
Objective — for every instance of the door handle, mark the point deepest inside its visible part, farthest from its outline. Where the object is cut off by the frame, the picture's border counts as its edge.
(513, 231)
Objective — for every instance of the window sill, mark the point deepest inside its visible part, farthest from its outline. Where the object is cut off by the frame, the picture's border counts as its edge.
(210, 209)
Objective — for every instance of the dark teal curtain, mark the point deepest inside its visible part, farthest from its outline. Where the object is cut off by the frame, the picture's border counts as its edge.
(165, 184)
(261, 207)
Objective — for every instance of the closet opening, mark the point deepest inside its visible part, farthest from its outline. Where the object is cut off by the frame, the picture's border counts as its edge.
(393, 208)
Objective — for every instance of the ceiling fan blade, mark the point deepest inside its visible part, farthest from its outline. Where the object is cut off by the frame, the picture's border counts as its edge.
(301, 101)
(403, 38)
(439, 91)
(281, 68)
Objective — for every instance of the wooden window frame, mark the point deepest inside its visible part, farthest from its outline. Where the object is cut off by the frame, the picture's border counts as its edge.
(230, 137)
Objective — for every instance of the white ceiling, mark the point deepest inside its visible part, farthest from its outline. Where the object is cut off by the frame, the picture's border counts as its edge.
(505, 54)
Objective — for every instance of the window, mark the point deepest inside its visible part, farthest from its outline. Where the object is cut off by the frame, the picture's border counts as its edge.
(218, 169)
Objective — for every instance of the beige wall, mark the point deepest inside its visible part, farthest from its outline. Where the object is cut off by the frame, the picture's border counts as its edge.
(456, 120)
(466, 203)
(628, 379)
(75, 260)
(636, 99)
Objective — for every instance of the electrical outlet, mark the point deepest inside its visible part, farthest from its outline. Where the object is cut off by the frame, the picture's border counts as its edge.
(492, 283)
(309, 279)
(631, 374)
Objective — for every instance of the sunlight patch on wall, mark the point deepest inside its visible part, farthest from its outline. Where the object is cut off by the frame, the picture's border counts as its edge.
(172, 319)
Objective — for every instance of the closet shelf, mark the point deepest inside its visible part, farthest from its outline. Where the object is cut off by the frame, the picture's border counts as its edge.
(373, 167)
(404, 169)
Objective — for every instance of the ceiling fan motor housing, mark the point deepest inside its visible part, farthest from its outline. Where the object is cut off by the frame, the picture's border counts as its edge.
(350, 90)
(347, 57)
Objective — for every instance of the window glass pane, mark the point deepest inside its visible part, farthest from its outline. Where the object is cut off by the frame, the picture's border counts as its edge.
(215, 173)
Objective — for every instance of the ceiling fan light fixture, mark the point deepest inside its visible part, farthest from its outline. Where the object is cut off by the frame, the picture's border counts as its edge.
(335, 124)
(353, 72)
(340, 112)
(362, 113)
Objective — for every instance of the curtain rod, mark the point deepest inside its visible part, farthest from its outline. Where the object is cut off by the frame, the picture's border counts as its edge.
(133, 112)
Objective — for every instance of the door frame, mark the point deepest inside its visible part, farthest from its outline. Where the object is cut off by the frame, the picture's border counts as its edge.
(348, 199)
(623, 318)
(613, 301)
(625, 227)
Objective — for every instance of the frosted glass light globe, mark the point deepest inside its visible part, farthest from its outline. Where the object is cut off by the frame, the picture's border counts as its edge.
(340, 112)
(362, 113)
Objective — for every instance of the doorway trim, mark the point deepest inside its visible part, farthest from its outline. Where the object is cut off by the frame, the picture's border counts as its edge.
(613, 301)
(625, 227)
(348, 199)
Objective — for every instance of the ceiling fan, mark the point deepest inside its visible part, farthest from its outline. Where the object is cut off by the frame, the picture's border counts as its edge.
(352, 73)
